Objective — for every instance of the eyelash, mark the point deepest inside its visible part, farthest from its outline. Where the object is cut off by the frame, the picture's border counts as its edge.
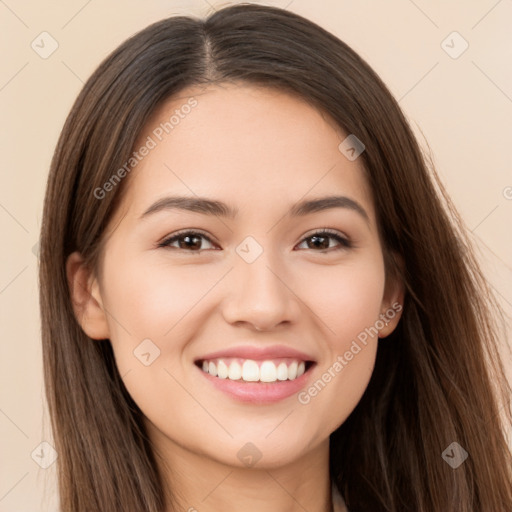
(345, 243)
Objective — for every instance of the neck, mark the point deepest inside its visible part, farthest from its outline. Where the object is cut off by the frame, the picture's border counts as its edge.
(202, 484)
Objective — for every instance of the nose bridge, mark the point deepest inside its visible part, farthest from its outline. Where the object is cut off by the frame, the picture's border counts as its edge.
(258, 292)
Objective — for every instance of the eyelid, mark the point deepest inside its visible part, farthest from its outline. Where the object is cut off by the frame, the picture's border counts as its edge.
(192, 231)
(185, 231)
(329, 231)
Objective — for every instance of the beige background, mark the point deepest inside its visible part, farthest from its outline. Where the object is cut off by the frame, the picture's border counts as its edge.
(463, 106)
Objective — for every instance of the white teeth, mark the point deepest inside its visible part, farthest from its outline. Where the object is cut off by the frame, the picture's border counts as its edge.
(251, 371)
(292, 370)
(268, 372)
(235, 371)
(212, 369)
(282, 371)
(222, 370)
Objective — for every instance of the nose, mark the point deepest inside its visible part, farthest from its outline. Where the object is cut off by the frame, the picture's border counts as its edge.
(260, 296)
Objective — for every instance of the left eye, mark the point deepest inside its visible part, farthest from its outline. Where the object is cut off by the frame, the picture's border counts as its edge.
(321, 238)
(191, 241)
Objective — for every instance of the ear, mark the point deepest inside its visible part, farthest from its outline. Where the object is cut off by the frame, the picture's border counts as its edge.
(393, 299)
(85, 296)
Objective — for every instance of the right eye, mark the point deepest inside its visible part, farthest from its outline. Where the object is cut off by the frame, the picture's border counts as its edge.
(187, 241)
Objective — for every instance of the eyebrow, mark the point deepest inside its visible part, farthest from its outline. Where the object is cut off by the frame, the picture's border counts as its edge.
(218, 208)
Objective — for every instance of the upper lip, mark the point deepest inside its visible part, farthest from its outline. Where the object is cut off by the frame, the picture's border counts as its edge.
(258, 353)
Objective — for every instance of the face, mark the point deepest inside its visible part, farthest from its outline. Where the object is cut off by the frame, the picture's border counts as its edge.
(254, 321)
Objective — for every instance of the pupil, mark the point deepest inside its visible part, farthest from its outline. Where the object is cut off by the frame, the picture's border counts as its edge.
(323, 246)
(187, 240)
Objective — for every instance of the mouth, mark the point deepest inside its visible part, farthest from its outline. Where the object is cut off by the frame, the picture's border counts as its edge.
(250, 370)
(256, 377)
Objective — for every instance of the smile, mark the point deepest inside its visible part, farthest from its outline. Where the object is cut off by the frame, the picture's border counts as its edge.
(255, 374)
(250, 370)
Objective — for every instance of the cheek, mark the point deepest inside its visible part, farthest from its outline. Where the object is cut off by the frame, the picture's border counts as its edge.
(149, 310)
(347, 299)
(153, 301)
(154, 311)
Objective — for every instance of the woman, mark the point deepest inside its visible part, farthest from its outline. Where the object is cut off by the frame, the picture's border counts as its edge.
(252, 292)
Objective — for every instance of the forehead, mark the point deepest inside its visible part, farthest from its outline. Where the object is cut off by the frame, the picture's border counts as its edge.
(247, 145)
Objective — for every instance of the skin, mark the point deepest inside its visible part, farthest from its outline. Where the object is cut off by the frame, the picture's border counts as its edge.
(260, 151)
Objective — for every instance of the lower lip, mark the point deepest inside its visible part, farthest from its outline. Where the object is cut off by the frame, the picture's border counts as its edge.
(259, 392)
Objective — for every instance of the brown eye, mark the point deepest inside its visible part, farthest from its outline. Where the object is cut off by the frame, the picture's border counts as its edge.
(187, 240)
(322, 240)
(192, 241)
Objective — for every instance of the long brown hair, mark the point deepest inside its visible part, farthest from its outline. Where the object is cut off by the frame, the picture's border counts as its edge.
(438, 378)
